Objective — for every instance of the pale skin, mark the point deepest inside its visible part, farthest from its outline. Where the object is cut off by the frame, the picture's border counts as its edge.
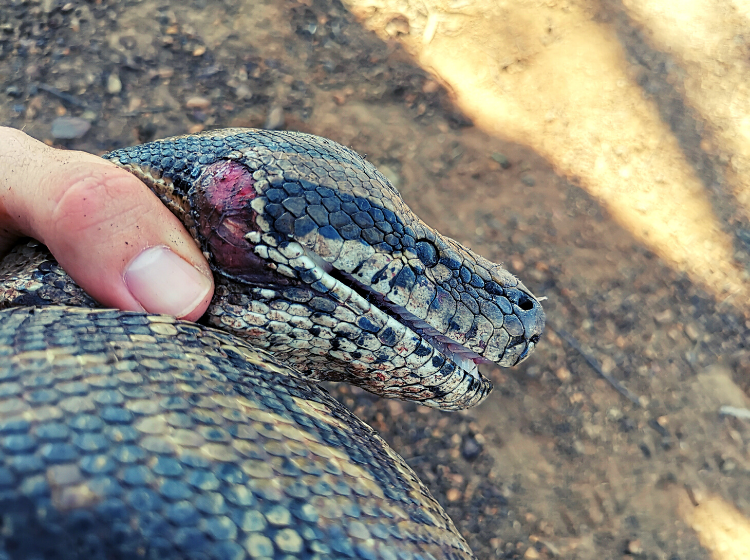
(105, 227)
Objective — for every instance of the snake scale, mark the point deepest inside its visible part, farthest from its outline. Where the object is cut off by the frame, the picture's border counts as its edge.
(129, 435)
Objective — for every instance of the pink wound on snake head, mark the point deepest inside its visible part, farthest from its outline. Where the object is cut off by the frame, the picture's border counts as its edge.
(223, 202)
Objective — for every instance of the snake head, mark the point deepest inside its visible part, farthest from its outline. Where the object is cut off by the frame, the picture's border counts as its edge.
(320, 261)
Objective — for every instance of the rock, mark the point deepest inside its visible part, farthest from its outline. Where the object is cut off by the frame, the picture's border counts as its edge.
(198, 102)
(563, 374)
(614, 414)
(453, 494)
(634, 547)
(13, 91)
(502, 160)
(242, 91)
(68, 128)
(470, 449)
(275, 118)
(165, 72)
(114, 85)
(692, 332)
(666, 316)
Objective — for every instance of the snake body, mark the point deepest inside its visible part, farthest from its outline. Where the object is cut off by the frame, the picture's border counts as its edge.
(127, 435)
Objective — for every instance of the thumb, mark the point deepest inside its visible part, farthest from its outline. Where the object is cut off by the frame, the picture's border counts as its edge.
(106, 228)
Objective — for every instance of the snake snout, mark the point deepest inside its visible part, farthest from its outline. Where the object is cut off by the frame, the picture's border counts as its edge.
(531, 315)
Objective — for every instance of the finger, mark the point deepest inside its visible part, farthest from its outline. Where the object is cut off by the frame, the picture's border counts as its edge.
(107, 230)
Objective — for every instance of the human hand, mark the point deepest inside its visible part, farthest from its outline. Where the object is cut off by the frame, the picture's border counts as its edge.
(106, 228)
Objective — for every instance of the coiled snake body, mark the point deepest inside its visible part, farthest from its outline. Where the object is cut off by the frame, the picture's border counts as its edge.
(128, 435)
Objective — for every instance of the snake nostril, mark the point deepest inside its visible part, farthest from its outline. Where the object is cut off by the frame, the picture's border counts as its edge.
(525, 303)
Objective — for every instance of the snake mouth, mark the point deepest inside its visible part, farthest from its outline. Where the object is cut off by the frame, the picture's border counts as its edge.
(464, 359)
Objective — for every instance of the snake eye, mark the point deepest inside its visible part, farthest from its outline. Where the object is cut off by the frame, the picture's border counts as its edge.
(427, 252)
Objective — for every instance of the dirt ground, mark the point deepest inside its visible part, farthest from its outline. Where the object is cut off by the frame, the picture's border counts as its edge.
(556, 463)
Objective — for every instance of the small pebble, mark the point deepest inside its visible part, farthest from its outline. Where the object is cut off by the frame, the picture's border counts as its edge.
(645, 450)
(563, 374)
(243, 92)
(275, 118)
(666, 316)
(68, 128)
(531, 553)
(692, 332)
(614, 414)
(528, 180)
(13, 91)
(502, 160)
(533, 371)
(453, 494)
(470, 449)
(635, 547)
(114, 85)
(198, 103)
(165, 72)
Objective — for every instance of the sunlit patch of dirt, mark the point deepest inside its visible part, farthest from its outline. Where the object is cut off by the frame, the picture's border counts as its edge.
(554, 77)
(723, 530)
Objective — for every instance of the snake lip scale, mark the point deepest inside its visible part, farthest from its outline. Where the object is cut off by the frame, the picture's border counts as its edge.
(291, 219)
(127, 435)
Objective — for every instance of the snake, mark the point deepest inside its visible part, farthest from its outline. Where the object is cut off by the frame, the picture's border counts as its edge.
(133, 435)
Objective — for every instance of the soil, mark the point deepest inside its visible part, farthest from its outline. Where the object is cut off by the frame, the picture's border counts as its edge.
(556, 463)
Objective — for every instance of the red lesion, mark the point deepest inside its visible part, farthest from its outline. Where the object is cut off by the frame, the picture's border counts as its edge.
(223, 197)
(230, 185)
